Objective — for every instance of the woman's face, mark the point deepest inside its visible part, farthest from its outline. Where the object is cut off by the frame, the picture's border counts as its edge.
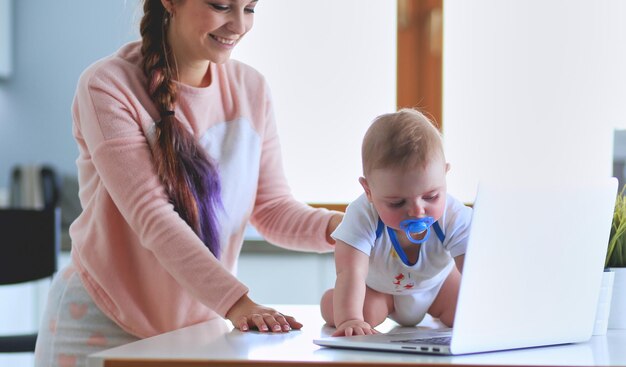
(202, 30)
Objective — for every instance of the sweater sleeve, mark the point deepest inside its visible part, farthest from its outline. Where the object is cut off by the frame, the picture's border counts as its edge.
(277, 215)
(109, 122)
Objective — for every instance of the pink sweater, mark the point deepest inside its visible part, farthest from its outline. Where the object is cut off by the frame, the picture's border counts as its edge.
(143, 265)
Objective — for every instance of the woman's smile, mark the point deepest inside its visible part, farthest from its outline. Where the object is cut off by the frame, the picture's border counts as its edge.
(224, 41)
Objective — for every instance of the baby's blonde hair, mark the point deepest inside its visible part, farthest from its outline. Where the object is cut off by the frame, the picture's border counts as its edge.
(403, 139)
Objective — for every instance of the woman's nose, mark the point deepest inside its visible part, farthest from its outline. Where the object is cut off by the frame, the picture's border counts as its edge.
(237, 23)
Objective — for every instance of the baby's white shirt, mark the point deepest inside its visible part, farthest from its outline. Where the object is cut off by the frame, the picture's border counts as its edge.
(387, 273)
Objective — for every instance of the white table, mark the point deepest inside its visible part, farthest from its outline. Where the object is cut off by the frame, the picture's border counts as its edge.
(216, 343)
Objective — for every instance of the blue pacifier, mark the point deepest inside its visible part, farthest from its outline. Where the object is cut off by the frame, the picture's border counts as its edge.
(418, 225)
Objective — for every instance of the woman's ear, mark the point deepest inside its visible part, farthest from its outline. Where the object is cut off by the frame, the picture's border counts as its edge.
(168, 5)
(366, 188)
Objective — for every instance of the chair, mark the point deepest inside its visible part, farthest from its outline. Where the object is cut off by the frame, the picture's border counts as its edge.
(29, 247)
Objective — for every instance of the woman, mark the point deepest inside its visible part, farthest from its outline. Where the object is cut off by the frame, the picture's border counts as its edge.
(178, 151)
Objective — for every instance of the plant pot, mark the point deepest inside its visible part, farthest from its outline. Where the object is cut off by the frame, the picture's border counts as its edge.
(617, 315)
(604, 304)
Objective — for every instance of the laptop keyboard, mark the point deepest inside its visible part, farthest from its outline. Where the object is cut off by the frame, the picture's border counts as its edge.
(440, 340)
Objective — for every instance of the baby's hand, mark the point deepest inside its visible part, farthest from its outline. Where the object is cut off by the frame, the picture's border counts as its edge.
(354, 327)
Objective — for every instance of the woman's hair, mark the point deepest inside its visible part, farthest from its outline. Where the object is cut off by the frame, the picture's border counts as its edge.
(406, 138)
(189, 176)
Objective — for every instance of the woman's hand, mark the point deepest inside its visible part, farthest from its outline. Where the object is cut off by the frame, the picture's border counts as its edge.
(354, 327)
(246, 314)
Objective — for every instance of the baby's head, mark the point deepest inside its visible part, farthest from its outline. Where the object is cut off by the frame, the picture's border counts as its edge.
(404, 167)
(404, 139)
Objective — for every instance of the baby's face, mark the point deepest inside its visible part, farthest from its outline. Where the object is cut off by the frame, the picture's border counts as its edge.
(399, 194)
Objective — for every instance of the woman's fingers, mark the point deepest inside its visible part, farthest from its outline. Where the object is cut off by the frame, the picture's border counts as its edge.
(259, 322)
(282, 320)
(246, 314)
(274, 322)
(242, 324)
(293, 324)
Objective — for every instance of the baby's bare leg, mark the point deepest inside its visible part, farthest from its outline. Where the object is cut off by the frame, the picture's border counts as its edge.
(326, 306)
(376, 308)
(444, 305)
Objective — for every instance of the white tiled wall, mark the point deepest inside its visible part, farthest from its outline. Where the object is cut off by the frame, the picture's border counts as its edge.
(291, 278)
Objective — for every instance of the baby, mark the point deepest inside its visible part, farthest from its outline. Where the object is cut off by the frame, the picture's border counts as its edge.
(400, 248)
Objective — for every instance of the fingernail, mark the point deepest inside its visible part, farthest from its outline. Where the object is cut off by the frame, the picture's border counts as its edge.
(286, 327)
(264, 328)
(277, 328)
(244, 328)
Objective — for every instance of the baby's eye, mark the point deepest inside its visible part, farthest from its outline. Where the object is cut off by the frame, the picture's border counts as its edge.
(431, 197)
(397, 204)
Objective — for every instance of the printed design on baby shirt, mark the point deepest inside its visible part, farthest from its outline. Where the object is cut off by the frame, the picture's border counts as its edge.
(402, 282)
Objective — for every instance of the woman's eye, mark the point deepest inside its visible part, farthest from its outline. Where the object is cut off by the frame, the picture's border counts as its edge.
(219, 7)
(249, 10)
(397, 204)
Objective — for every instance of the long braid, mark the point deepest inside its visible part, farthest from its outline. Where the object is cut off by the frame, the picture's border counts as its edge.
(190, 178)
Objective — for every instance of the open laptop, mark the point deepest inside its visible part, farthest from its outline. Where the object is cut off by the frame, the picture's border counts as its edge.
(532, 272)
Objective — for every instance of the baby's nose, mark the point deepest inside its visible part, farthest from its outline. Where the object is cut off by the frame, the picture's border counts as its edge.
(416, 209)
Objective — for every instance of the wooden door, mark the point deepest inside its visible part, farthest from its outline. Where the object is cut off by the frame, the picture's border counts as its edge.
(420, 43)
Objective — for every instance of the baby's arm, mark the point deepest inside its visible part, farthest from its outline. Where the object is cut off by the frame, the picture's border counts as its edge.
(459, 260)
(352, 266)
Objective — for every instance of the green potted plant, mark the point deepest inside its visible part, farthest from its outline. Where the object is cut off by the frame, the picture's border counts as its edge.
(616, 253)
(616, 263)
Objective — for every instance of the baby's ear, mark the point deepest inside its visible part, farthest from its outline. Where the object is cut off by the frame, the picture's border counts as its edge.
(366, 188)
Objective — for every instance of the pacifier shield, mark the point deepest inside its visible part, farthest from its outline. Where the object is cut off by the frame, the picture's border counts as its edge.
(418, 225)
